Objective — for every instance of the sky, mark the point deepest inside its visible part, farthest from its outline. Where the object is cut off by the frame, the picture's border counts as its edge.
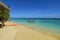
(34, 8)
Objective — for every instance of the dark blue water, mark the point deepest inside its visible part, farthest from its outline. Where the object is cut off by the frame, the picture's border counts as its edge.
(50, 24)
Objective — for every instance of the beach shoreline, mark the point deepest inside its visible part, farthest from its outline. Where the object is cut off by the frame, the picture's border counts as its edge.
(23, 32)
(36, 29)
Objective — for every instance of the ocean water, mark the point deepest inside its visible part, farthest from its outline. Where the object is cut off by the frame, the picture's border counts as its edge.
(49, 24)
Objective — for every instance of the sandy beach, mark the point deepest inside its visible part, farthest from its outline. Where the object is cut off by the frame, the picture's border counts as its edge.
(14, 31)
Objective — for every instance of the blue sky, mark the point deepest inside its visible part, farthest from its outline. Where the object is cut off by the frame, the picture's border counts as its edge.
(34, 8)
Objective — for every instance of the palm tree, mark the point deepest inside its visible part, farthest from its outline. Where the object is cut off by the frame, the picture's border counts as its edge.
(4, 13)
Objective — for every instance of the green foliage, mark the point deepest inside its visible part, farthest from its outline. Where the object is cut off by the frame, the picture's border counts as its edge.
(5, 14)
(0, 12)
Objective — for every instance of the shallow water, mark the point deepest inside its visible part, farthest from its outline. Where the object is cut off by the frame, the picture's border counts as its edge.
(49, 24)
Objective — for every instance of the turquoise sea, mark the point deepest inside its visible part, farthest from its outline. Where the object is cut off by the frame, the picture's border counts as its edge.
(49, 24)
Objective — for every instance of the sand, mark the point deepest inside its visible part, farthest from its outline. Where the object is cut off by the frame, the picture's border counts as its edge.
(14, 31)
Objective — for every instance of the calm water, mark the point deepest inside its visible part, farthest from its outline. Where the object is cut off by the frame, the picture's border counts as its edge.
(50, 24)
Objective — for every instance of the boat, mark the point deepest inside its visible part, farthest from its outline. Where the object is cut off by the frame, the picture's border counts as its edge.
(31, 21)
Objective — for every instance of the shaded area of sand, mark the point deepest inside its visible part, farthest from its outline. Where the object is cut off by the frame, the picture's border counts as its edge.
(20, 32)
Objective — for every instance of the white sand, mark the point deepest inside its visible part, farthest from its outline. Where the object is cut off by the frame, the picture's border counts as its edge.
(21, 32)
